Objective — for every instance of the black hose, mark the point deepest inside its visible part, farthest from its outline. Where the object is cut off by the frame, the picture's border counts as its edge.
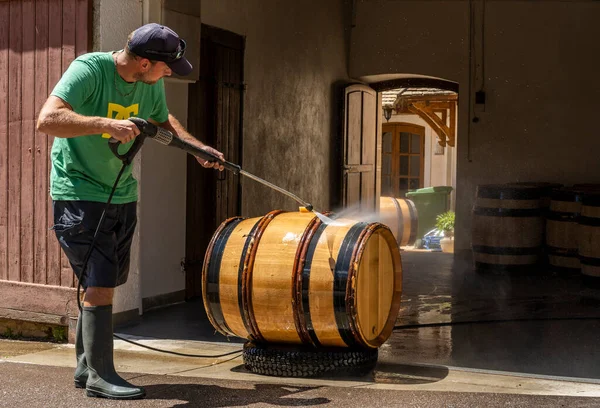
(176, 353)
(93, 244)
(89, 253)
(84, 267)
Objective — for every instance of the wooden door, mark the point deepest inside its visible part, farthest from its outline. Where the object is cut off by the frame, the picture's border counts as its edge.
(215, 116)
(361, 122)
(402, 154)
(38, 41)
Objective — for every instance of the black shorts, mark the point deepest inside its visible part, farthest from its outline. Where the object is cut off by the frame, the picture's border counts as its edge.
(75, 223)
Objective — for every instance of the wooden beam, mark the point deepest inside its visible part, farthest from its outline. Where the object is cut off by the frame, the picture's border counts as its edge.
(433, 98)
(427, 111)
(432, 120)
(447, 131)
(452, 140)
(439, 105)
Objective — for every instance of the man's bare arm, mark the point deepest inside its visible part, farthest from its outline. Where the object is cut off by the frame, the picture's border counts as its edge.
(173, 125)
(57, 118)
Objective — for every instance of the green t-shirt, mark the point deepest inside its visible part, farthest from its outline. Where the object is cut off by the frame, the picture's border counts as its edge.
(84, 168)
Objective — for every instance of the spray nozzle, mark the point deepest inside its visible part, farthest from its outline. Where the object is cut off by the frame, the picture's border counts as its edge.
(306, 208)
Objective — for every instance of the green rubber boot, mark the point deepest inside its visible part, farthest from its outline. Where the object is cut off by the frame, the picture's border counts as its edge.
(81, 372)
(103, 381)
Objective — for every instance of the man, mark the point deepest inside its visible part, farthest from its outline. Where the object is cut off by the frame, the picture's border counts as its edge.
(91, 103)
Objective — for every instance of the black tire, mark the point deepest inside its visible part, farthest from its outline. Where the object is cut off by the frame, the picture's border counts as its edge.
(289, 361)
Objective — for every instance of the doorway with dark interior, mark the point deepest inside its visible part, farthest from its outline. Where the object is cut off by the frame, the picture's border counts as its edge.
(215, 112)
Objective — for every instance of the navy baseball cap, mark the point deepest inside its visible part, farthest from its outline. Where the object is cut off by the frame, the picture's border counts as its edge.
(159, 43)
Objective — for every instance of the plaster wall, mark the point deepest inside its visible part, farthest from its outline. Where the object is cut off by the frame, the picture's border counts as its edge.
(113, 21)
(163, 169)
(535, 60)
(439, 176)
(163, 199)
(295, 58)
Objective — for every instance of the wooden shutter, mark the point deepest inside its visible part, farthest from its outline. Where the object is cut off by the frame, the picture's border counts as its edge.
(361, 140)
(38, 41)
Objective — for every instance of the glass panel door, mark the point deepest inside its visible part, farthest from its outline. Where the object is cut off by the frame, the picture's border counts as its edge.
(403, 148)
(386, 165)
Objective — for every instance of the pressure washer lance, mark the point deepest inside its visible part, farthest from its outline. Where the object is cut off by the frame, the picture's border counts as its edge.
(167, 138)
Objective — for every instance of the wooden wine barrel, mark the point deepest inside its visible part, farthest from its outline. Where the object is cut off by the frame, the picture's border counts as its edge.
(562, 230)
(588, 187)
(589, 237)
(288, 277)
(507, 229)
(546, 189)
(400, 214)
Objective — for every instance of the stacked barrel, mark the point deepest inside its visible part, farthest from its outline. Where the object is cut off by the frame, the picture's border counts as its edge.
(562, 230)
(508, 227)
(525, 226)
(589, 237)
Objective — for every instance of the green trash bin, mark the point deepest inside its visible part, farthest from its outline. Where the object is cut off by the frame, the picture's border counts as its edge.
(430, 202)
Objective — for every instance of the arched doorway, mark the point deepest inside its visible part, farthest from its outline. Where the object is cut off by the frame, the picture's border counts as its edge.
(402, 151)
(420, 116)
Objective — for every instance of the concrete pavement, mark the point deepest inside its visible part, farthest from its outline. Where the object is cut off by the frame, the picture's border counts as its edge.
(36, 386)
(34, 374)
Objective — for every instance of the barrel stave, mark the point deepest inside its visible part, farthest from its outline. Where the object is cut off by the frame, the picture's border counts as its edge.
(320, 291)
(562, 230)
(271, 289)
(589, 238)
(231, 276)
(508, 226)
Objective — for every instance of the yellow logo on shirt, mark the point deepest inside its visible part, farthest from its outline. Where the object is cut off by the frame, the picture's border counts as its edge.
(116, 111)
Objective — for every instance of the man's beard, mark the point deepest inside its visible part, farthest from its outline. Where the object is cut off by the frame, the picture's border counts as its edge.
(142, 77)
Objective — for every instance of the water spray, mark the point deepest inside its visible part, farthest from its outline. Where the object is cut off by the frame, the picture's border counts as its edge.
(167, 138)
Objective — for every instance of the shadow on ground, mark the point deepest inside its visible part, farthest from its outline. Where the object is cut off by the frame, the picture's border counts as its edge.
(216, 396)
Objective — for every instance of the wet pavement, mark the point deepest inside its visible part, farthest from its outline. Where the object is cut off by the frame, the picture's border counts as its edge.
(532, 324)
(451, 315)
(462, 338)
